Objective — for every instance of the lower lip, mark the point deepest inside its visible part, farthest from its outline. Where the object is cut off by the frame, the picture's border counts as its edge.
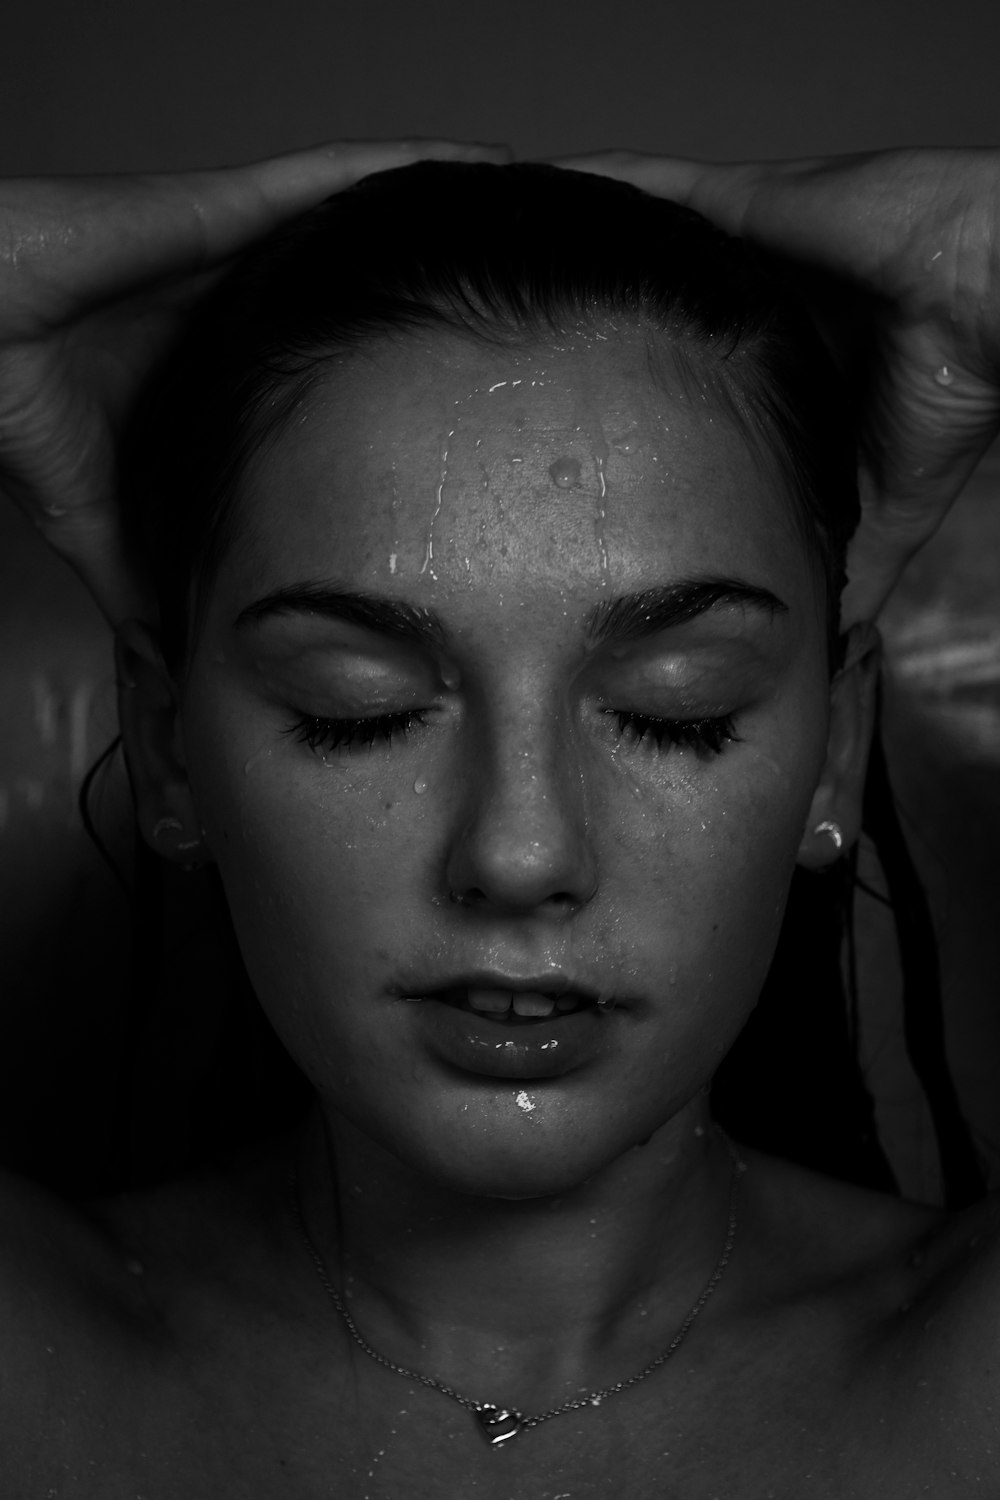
(545, 1049)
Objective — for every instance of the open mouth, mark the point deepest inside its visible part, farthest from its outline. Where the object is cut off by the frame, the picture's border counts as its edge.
(513, 1007)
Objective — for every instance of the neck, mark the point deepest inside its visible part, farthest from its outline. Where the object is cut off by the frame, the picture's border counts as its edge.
(547, 1293)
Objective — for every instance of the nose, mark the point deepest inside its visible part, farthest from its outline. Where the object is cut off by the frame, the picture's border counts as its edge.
(522, 844)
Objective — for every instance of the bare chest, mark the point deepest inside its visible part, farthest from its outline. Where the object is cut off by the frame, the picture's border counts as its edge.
(764, 1424)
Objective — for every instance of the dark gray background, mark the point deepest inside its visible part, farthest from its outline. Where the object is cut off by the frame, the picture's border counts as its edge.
(117, 85)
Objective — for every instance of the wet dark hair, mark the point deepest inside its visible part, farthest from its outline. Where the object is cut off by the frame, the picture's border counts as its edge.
(507, 255)
(510, 256)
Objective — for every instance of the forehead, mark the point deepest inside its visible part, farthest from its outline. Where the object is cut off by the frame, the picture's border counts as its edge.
(435, 462)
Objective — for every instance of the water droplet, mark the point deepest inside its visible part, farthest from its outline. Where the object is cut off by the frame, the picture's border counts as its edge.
(944, 376)
(524, 1101)
(420, 786)
(565, 473)
(263, 754)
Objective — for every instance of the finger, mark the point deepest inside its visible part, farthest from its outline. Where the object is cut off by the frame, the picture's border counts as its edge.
(908, 487)
(849, 214)
(667, 177)
(90, 542)
(288, 184)
(66, 243)
(722, 191)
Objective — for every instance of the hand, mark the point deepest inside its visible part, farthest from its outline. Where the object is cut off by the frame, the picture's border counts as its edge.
(96, 274)
(919, 233)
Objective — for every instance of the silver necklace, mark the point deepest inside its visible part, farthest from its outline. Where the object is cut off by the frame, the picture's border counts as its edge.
(499, 1424)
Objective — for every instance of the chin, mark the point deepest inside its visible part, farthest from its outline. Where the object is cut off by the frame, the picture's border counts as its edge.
(535, 1164)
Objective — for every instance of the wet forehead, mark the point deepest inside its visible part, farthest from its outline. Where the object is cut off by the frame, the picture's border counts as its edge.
(437, 454)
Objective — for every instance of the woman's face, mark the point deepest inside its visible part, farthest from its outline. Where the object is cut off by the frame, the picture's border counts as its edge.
(492, 701)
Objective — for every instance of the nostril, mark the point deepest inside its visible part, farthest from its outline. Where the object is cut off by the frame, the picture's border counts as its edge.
(559, 902)
(563, 901)
(466, 898)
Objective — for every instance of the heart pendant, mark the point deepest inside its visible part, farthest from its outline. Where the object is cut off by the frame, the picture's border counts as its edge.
(499, 1423)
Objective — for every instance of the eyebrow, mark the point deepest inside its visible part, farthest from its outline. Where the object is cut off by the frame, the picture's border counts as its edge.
(627, 617)
(630, 617)
(371, 611)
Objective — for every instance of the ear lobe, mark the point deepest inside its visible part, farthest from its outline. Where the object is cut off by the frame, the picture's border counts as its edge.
(837, 800)
(147, 710)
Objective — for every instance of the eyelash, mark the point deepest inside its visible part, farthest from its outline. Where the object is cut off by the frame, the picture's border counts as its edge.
(707, 736)
(339, 734)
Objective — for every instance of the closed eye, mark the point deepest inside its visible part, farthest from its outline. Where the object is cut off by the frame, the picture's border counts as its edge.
(347, 734)
(707, 736)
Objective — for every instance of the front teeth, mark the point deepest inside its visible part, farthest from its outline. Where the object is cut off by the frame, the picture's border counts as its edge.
(499, 1002)
(534, 1005)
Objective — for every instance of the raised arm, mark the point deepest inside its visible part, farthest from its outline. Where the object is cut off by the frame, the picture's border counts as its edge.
(918, 231)
(95, 275)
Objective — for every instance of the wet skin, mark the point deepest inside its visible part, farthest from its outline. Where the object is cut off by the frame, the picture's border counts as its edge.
(525, 1236)
(517, 829)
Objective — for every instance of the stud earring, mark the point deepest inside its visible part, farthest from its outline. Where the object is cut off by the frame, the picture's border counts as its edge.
(833, 830)
(181, 846)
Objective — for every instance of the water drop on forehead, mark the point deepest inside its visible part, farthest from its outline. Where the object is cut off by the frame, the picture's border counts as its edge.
(565, 473)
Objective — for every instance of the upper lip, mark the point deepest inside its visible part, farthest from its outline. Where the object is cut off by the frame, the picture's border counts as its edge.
(552, 983)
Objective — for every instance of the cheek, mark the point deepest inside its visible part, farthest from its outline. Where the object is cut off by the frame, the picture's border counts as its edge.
(704, 867)
(321, 868)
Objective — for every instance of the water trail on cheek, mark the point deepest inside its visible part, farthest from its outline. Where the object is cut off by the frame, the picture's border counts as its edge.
(264, 753)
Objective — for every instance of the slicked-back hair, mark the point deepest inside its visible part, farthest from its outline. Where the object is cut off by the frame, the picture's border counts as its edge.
(506, 255)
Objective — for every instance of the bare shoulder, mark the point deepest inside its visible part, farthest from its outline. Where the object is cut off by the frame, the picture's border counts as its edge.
(51, 1251)
(829, 1228)
(818, 1229)
(67, 1303)
(107, 1275)
(910, 1288)
(123, 1320)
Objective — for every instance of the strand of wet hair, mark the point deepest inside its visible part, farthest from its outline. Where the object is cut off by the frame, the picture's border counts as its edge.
(923, 1010)
(102, 762)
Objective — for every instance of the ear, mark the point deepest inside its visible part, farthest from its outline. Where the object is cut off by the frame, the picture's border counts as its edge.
(836, 803)
(148, 714)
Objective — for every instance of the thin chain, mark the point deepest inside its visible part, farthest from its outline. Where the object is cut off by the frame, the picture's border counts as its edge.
(595, 1397)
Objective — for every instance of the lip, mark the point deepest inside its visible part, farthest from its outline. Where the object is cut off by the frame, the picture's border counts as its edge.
(472, 1043)
(554, 982)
